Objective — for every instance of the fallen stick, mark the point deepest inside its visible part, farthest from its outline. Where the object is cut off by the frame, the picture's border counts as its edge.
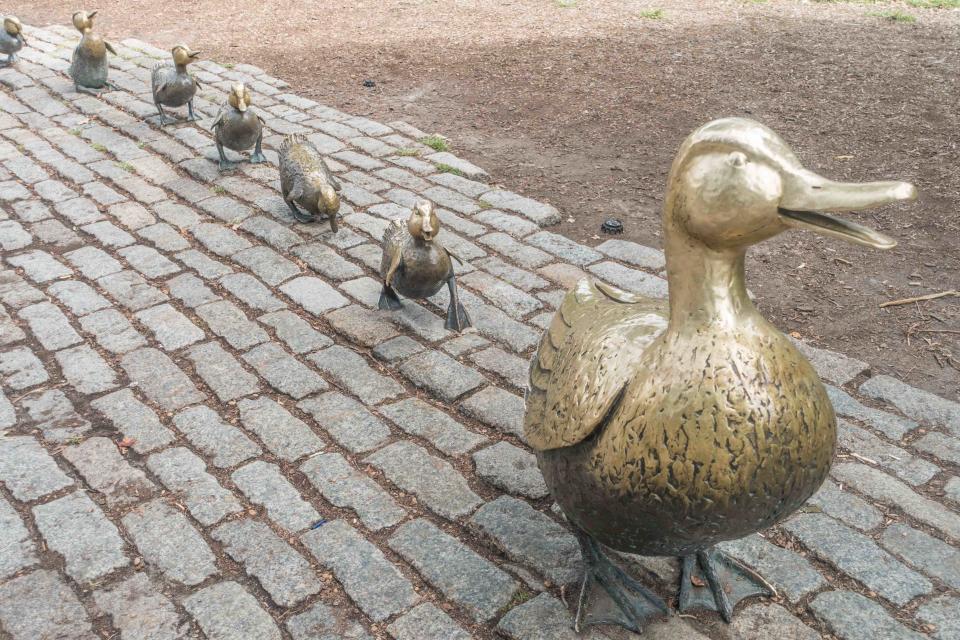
(931, 296)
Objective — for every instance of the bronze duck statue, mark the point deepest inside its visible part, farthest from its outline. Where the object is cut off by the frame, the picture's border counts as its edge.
(238, 128)
(89, 65)
(665, 428)
(173, 85)
(305, 180)
(11, 40)
(417, 265)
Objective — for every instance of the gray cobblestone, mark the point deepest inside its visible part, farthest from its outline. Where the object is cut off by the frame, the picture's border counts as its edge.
(829, 365)
(185, 475)
(418, 418)
(952, 489)
(160, 379)
(263, 484)
(79, 297)
(77, 529)
(944, 614)
(131, 290)
(148, 261)
(251, 291)
(139, 610)
(85, 370)
(919, 405)
(434, 481)
(284, 372)
(633, 253)
(530, 537)
(27, 470)
(134, 420)
(426, 621)
(630, 279)
(500, 409)
(272, 232)
(79, 211)
(858, 556)
(396, 349)
(770, 621)
(835, 502)
(92, 262)
(282, 572)
(361, 325)
(113, 331)
(21, 369)
(511, 469)
(165, 237)
(913, 470)
(39, 266)
(230, 323)
(506, 365)
(321, 622)
(512, 300)
(219, 239)
(286, 436)
(226, 445)
(296, 332)
(351, 370)
(457, 571)
(50, 326)
(267, 264)
(40, 605)
(789, 572)
(207, 267)
(191, 290)
(13, 236)
(172, 329)
(347, 421)
(941, 446)
(167, 540)
(226, 612)
(344, 486)
(109, 234)
(851, 616)
(441, 375)
(105, 470)
(313, 294)
(883, 488)
(930, 555)
(370, 580)
(17, 551)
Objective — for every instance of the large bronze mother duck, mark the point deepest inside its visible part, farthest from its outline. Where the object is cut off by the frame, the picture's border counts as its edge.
(665, 428)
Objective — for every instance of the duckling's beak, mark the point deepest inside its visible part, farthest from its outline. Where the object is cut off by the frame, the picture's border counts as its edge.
(194, 54)
(241, 105)
(807, 195)
(91, 15)
(427, 232)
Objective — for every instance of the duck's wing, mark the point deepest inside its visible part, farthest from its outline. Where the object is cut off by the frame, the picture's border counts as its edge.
(585, 360)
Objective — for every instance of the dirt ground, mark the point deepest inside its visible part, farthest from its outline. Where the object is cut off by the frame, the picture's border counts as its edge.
(582, 103)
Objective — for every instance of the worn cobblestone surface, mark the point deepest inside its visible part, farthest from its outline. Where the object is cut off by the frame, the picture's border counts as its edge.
(208, 430)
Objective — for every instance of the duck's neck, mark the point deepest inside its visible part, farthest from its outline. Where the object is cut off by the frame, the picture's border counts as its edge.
(707, 287)
(181, 68)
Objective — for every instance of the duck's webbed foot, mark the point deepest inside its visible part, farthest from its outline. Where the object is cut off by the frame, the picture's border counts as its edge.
(163, 117)
(389, 300)
(300, 216)
(633, 603)
(713, 580)
(457, 318)
(191, 116)
(257, 157)
(9, 61)
(91, 90)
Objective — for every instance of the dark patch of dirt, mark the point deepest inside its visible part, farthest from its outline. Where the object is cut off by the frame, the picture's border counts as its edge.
(584, 107)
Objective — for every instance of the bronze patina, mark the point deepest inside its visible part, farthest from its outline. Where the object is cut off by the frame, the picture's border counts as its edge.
(173, 86)
(89, 66)
(663, 428)
(237, 127)
(305, 180)
(11, 40)
(417, 265)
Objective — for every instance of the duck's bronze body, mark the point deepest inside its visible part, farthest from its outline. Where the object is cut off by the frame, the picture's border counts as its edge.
(416, 265)
(237, 127)
(11, 39)
(173, 86)
(664, 428)
(305, 180)
(89, 66)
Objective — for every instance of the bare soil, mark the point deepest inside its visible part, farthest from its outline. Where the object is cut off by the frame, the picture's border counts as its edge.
(584, 106)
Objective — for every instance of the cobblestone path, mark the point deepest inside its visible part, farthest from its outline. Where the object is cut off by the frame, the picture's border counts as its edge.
(208, 431)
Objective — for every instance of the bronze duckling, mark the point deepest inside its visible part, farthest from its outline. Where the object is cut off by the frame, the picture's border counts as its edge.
(665, 428)
(11, 40)
(238, 128)
(417, 265)
(89, 66)
(305, 180)
(173, 85)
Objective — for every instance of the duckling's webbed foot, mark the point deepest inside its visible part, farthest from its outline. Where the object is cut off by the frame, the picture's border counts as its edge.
(191, 116)
(632, 603)
(300, 216)
(457, 318)
(389, 300)
(92, 91)
(713, 580)
(257, 156)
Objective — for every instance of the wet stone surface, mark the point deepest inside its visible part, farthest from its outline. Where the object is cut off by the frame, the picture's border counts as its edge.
(209, 429)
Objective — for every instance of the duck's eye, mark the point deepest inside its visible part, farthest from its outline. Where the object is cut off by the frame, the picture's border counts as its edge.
(737, 159)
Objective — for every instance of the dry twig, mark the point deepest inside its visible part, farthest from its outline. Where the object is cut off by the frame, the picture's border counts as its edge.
(931, 296)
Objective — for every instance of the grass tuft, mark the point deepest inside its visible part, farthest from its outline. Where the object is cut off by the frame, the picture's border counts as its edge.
(566, 4)
(75, 132)
(652, 14)
(98, 147)
(126, 166)
(895, 16)
(408, 152)
(934, 4)
(436, 142)
(445, 168)
(218, 189)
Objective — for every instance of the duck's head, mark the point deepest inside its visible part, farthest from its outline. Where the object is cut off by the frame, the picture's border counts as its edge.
(83, 21)
(239, 97)
(11, 24)
(735, 183)
(423, 223)
(329, 201)
(182, 55)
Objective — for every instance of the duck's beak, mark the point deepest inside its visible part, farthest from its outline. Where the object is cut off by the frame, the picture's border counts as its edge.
(91, 15)
(807, 195)
(241, 105)
(194, 54)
